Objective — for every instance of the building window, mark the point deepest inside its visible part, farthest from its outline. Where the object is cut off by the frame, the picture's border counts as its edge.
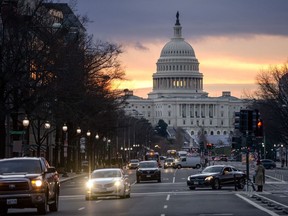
(211, 133)
(218, 132)
(184, 122)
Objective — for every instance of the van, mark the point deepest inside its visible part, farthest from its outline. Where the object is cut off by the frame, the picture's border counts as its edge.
(194, 162)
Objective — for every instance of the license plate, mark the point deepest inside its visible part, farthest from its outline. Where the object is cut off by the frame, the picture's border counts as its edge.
(11, 201)
(148, 176)
(196, 182)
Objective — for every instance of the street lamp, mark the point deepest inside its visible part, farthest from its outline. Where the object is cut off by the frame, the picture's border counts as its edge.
(65, 129)
(25, 144)
(78, 154)
(88, 133)
(47, 126)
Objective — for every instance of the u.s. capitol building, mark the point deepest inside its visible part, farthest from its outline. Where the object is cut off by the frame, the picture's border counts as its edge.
(178, 97)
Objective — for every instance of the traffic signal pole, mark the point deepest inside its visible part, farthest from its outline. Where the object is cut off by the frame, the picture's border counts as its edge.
(247, 159)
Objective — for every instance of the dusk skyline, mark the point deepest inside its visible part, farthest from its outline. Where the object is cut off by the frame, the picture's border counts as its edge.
(233, 40)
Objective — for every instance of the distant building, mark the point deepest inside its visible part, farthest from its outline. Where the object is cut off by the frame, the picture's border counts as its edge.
(178, 97)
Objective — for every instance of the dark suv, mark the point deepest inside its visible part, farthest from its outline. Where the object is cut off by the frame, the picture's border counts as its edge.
(148, 170)
(28, 182)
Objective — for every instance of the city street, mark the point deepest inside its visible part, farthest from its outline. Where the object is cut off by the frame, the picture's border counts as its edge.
(172, 197)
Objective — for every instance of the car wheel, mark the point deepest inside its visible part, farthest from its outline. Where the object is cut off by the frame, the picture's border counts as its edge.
(216, 185)
(179, 166)
(54, 206)
(159, 180)
(138, 179)
(241, 183)
(198, 166)
(42, 208)
(192, 188)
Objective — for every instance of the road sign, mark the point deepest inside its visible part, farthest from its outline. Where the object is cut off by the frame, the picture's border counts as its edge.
(17, 132)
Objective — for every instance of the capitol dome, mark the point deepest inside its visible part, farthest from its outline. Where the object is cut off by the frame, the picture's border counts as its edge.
(177, 72)
(177, 47)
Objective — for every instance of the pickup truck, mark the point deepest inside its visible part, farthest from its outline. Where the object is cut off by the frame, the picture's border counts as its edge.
(28, 182)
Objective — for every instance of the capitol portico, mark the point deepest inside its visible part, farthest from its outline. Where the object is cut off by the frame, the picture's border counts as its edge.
(178, 97)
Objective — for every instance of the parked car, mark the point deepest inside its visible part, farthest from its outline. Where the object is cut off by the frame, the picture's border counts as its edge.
(169, 162)
(133, 164)
(28, 182)
(148, 170)
(268, 164)
(108, 182)
(217, 176)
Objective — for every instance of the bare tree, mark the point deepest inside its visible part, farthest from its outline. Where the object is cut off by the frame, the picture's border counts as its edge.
(271, 99)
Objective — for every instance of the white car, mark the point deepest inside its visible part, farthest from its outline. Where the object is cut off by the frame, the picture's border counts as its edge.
(108, 182)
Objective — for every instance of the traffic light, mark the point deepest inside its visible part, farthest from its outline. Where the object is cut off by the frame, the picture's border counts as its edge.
(237, 123)
(243, 121)
(210, 145)
(259, 128)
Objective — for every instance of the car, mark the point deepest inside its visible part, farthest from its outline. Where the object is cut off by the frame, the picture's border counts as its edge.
(106, 183)
(147, 171)
(217, 176)
(268, 164)
(169, 162)
(133, 164)
(28, 182)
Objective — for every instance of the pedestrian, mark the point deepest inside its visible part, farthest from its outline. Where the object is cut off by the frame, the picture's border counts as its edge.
(259, 176)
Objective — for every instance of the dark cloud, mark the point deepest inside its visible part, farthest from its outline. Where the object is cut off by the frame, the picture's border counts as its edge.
(140, 46)
(140, 19)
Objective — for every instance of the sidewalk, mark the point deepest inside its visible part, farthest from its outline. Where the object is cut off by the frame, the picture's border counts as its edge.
(69, 176)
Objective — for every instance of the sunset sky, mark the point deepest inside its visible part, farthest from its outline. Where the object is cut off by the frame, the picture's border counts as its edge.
(233, 39)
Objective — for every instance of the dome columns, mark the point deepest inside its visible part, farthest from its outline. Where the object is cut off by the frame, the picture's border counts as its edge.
(178, 83)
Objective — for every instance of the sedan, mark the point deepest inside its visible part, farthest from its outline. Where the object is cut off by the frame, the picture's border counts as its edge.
(217, 176)
(268, 164)
(148, 170)
(133, 164)
(108, 182)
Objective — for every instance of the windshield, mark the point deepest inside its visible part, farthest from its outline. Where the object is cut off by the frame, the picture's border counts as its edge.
(169, 160)
(214, 169)
(134, 161)
(148, 165)
(20, 166)
(106, 174)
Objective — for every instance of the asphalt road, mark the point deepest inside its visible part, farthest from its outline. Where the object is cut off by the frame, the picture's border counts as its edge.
(172, 197)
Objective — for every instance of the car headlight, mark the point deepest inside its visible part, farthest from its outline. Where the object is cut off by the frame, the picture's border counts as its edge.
(89, 184)
(209, 178)
(117, 183)
(37, 183)
(188, 179)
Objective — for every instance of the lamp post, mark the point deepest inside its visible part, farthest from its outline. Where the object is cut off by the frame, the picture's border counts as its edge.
(65, 128)
(90, 151)
(97, 138)
(25, 144)
(78, 154)
(47, 126)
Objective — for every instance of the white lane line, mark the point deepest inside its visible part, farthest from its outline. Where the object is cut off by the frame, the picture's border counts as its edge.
(80, 209)
(173, 180)
(257, 206)
(165, 206)
(162, 215)
(168, 197)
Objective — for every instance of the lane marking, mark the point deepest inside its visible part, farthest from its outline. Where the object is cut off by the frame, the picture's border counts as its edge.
(82, 208)
(165, 206)
(168, 197)
(173, 181)
(283, 205)
(257, 206)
